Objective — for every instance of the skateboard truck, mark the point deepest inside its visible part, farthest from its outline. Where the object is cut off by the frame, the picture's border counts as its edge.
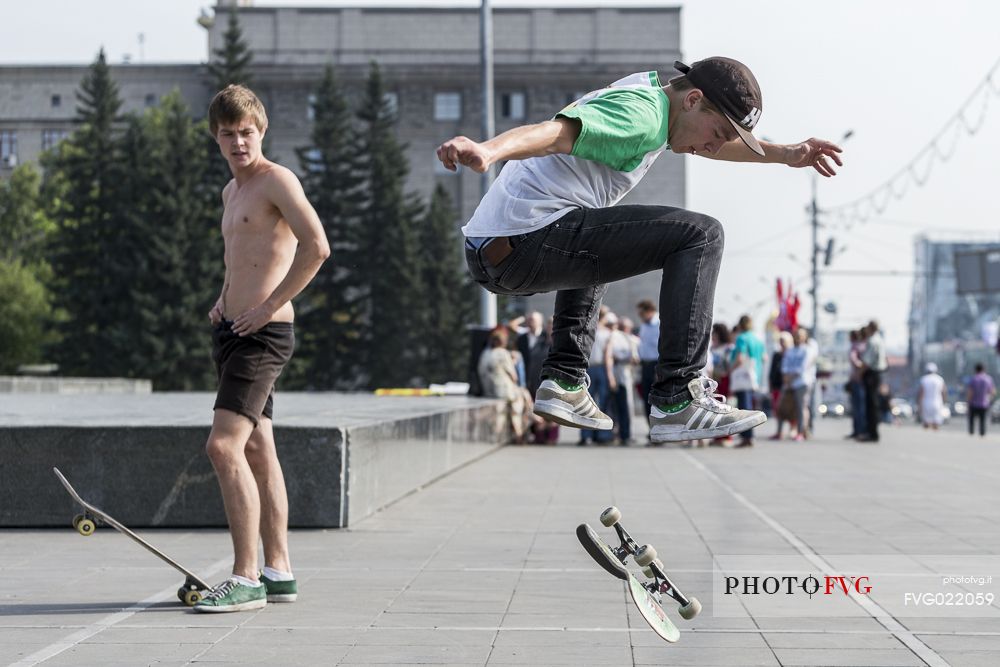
(652, 567)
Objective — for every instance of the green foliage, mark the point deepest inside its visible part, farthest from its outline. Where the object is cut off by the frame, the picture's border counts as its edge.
(329, 314)
(391, 276)
(24, 310)
(87, 174)
(136, 254)
(231, 62)
(449, 295)
(24, 226)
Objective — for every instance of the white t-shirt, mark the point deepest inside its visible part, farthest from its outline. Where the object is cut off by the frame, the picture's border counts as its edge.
(623, 131)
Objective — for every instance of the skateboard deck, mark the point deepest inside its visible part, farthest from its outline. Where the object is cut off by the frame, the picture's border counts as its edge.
(85, 524)
(644, 601)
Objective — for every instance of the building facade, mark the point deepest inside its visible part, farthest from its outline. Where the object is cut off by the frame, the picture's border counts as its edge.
(544, 58)
(954, 330)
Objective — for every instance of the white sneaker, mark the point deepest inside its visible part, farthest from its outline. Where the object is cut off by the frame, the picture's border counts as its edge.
(570, 408)
(708, 416)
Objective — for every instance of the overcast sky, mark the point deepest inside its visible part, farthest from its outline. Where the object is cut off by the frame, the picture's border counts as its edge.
(892, 71)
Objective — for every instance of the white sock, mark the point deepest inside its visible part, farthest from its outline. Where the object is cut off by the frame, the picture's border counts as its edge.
(277, 575)
(245, 581)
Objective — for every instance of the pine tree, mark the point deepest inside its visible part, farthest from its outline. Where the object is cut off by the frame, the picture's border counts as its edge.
(231, 63)
(450, 296)
(391, 273)
(175, 250)
(329, 313)
(87, 166)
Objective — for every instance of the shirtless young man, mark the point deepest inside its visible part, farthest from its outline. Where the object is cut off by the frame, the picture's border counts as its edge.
(275, 244)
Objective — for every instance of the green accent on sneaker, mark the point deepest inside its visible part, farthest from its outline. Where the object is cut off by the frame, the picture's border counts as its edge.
(676, 407)
(231, 595)
(280, 591)
(567, 386)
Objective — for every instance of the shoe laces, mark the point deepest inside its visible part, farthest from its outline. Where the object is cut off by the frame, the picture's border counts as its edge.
(222, 590)
(710, 399)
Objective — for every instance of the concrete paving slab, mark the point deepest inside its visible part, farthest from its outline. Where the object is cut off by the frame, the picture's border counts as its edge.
(482, 567)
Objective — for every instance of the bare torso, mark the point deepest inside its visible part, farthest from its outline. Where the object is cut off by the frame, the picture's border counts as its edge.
(260, 247)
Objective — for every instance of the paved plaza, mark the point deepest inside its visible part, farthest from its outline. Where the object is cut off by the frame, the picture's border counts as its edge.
(482, 567)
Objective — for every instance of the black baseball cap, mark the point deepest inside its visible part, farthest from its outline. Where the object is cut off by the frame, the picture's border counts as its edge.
(731, 86)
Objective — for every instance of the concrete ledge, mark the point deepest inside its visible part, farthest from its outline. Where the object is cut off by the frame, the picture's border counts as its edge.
(30, 384)
(141, 458)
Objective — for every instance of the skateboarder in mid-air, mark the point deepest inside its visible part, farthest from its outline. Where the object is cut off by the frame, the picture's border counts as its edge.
(550, 223)
(274, 244)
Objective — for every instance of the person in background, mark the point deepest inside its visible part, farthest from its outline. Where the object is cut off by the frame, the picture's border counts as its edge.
(623, 355)
(720, 351)
(979, 394)
(793, 367)
(931, 397)
(498, 377)
(776, 380)
(649, 354)
(875, 363)
(855, 385)
(747, 371)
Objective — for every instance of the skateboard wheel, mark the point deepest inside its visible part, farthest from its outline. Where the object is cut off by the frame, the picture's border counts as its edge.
(690, 610)
(85, 527)
(610, 517)
(77, 519)
(658, 563)
(180, 593)
(645, 555)
(648, 571)
(191, 598)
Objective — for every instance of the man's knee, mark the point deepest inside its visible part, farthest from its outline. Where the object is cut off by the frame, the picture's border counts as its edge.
(715, 235)
(220, 450)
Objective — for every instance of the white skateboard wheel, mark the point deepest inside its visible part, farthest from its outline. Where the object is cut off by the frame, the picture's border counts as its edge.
(648, 571)
(645, 555)
(77, 519)
(191, 598)
(610, 517)
(690, 610)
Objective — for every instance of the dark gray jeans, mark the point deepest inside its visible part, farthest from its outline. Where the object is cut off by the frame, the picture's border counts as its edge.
(579, 254)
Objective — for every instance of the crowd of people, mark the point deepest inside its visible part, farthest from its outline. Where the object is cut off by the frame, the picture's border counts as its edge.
(621, 372)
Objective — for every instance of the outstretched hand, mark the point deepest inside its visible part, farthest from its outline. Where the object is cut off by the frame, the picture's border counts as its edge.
(463, 151)
(815, 153)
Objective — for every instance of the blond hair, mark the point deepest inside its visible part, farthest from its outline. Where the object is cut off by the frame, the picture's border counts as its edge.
(233, 104)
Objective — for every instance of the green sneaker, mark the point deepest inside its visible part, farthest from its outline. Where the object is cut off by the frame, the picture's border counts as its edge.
(280, 591)
(231, 595)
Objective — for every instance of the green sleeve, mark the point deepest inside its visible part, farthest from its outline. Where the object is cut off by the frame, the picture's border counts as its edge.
(619, 127)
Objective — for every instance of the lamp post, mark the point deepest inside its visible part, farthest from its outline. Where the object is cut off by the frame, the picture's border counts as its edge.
(814, 211)
(487, 300)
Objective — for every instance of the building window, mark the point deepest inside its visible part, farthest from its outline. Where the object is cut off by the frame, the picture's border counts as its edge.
(56, 101)
(447, 106)
(150, 100)
(311, 107)
(52, 137)
(391, 102)
(8, 148)
(512, 106)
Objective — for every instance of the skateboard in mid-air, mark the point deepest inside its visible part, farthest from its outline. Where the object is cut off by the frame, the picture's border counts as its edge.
(646, 595)
(190, 593)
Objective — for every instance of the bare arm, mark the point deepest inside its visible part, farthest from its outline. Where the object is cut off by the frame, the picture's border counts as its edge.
(546, 138)
(285, 192)
(218, 310)
(609, 364)
(815, 153)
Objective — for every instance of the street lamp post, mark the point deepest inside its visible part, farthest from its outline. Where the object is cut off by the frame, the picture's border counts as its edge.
(814, 212)
(487, 300)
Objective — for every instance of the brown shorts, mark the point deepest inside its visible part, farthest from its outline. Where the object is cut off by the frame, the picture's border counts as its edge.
(248, 367)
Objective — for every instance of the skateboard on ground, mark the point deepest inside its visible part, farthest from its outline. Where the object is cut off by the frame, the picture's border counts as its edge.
(190, 593)
(647, 596)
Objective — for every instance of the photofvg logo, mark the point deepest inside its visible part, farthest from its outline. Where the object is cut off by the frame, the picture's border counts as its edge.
(856, 586)
(793, 585)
